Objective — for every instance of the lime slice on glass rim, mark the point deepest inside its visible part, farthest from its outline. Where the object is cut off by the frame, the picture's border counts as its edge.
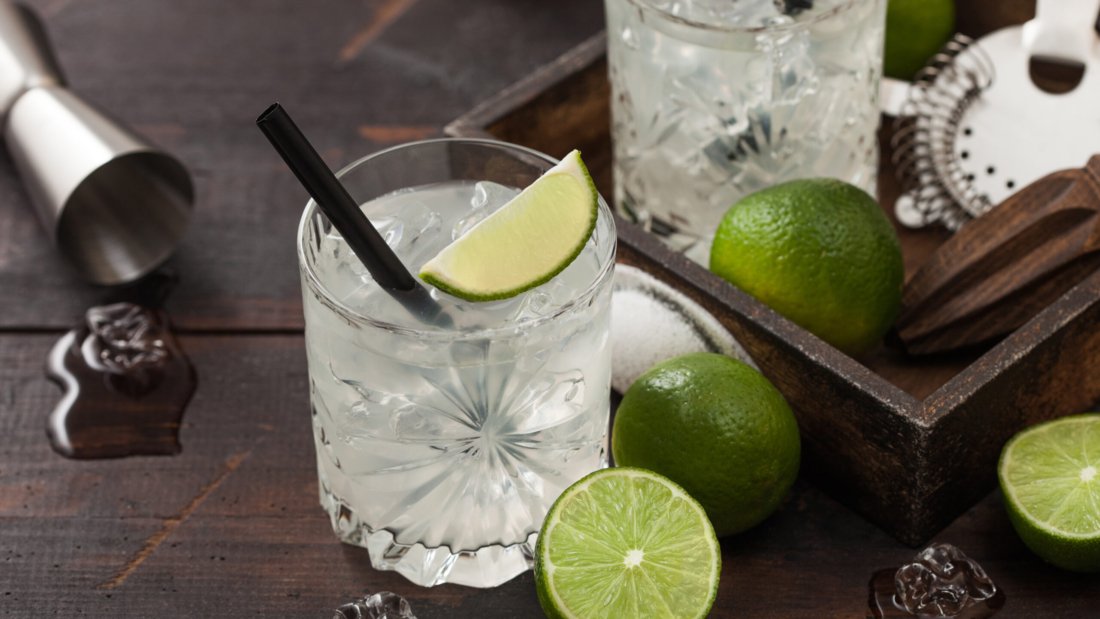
(526, 242)
(1050, 477)
(623, 543)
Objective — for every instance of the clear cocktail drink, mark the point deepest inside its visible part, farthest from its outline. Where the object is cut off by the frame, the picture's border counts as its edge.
(715, 99)
(441, 446)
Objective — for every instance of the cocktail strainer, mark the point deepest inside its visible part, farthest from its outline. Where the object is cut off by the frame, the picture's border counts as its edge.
(976, 127)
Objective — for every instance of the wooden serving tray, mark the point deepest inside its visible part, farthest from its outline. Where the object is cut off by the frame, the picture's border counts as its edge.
(908, 443)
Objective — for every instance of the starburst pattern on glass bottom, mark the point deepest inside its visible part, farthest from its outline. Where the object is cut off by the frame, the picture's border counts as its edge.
(472, 458)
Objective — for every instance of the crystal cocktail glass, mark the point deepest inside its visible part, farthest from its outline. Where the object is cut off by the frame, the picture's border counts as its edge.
(440, 446)
(714, 99)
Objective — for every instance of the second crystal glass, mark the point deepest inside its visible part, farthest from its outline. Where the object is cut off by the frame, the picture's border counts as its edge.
(715, 99)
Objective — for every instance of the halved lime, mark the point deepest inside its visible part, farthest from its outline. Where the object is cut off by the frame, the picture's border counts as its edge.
(526, 242)
(624, 543)
(1050, 476)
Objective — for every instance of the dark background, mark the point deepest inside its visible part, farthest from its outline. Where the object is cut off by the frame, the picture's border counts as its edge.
(231, 526)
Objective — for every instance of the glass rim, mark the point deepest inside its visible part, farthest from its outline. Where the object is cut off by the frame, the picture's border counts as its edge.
(306, 267)
(645, 5)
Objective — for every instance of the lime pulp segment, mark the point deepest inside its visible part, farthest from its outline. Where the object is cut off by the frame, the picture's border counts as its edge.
(526, 242)
(1053, 473)
(624, 543)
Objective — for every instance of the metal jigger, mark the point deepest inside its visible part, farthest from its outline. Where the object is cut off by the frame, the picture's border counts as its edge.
(115, 206)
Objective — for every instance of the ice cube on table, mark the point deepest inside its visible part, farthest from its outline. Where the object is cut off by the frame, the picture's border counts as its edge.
(941, 581)
(381, 605)
(124, 338)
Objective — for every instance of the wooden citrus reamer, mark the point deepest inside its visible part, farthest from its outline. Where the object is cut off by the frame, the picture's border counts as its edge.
(1002, 268)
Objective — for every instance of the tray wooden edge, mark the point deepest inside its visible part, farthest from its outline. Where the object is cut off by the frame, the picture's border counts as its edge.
(473, 123)
(1017, 346)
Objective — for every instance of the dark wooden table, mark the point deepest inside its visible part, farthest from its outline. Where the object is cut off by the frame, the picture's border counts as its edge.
(231, 526)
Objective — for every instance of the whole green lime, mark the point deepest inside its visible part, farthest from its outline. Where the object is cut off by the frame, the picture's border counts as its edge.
(915, 30)
(819, 251)
(718, 428)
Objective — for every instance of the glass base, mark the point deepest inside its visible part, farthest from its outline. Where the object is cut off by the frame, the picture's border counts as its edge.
(489, 566)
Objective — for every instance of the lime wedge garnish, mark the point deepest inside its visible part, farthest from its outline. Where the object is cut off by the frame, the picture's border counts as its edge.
(624, 543)
(1050, 476)
(526, 242)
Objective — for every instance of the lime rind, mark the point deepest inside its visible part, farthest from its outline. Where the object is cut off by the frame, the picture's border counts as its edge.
(594, 527)
(1052, 494)
(510, 251)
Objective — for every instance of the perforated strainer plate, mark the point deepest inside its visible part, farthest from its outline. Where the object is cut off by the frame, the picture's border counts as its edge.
(976, 129)
(1016, 133)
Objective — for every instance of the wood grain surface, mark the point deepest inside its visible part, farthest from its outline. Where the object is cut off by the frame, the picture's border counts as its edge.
(231, 527)
(192, 77)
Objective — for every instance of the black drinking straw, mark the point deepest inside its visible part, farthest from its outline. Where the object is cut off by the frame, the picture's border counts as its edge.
(344, 213)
